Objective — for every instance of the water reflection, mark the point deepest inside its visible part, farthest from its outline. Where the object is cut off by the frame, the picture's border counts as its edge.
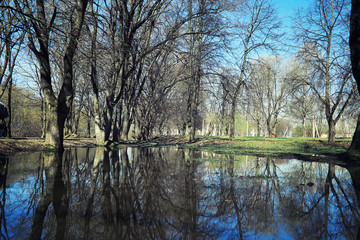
(170, 193)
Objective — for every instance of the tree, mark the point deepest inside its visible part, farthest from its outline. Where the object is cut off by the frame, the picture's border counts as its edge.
(258, 27)
(323, 26)
(25, 112)
(154, 107)
(38, 19)
(130, 35)
(354, 42)
(11, 39)
(202, 43)
(268, 90)
(306, 105)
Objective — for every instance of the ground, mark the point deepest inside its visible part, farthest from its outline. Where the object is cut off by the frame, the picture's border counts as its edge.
(15, 145)
(301, 148)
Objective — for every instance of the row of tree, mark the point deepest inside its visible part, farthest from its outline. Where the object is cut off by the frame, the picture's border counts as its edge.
(161, 66)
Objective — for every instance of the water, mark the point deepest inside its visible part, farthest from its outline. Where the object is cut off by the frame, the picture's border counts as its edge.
(171, 193)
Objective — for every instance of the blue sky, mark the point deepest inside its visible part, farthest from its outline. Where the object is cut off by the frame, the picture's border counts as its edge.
(288, 7)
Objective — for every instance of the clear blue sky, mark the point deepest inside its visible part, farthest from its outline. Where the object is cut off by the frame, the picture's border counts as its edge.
(287, 8)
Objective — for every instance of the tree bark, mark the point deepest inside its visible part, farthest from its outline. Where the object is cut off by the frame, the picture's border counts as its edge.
(99, 128)
(116, 126)
(355, 144)
(9, 134)
(125, 124)
(232, 117)
(355, 61)
(331, 124)
(43, 117)
(108, 118)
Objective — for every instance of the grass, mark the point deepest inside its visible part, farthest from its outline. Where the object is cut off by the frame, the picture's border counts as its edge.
(315, 148)
(290, 146)
(271, 147)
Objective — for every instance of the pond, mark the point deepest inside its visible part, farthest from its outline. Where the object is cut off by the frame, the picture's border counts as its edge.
(172, 193)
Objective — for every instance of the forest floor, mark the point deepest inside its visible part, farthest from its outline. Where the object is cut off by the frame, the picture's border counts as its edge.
(304, 148)
(29, 144)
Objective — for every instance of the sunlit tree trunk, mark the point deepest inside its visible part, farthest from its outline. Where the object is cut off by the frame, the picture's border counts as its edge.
(98, 127)
(191, 108)
(125, 123)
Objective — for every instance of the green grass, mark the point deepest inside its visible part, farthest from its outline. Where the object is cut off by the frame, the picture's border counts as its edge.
(272, 146)
(310, 148)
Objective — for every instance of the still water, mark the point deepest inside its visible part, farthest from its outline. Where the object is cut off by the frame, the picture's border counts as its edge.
(171, 193)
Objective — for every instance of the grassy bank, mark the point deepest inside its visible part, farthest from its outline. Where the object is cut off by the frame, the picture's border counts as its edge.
(259, 146)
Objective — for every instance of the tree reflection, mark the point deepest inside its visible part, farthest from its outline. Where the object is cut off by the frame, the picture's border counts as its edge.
(55, 193)
(4, 163)
(253, 198)
(354, 171)
(170, 193)
(330, 209)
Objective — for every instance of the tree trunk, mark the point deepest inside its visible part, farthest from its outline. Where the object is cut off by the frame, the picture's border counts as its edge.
(77, 121)
(9, 107)
(355, 144)
(116, 126)
(89, 125)
(66, 94)
(313, 127)
(303, 128)
(52, 136)
(125, 125)
(355, 61)
(268, 126)
(69, 123)
(332, 133)
(43, 118)
(258, 129)
(190, 128)
(108, 115)
(98, 128)
(232, 117)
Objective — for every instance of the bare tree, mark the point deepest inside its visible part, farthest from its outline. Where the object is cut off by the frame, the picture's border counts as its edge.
(129, 33)
(323, 26)
(258, 29)
(268, 92)
(11, 39)
(201, 43)
(38, 19)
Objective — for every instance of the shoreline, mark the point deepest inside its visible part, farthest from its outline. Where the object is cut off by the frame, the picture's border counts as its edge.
(306, 149)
